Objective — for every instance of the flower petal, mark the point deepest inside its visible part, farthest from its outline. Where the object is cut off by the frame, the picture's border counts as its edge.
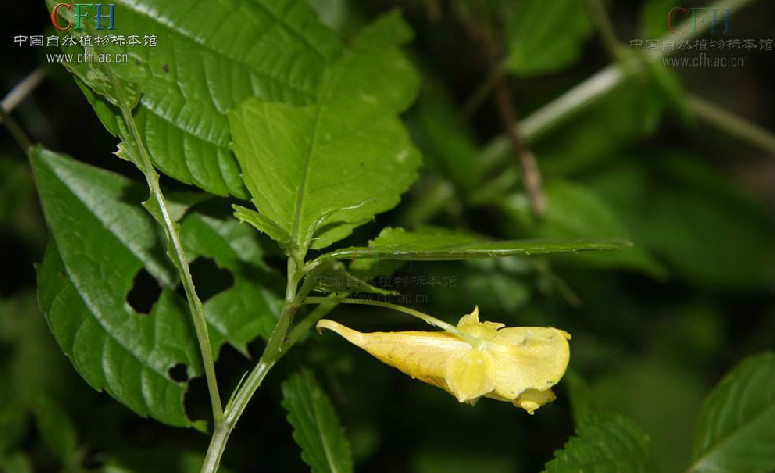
(468, 374)
(532, 399)
(527, 358)
(470, 324)
(421, 355)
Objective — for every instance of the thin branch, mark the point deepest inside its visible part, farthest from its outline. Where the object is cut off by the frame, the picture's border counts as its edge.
(23, 89)
(176, 252)
(242, 397)
(16, 96)
(181, 263)
(17, 132)
(503, 99)
(309, 321)
(605, 27)
(732, 124)
(275, 348)
(527, 161)
(596, 86)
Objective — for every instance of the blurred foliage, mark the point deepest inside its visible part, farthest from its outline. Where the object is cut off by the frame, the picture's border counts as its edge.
(654, 327)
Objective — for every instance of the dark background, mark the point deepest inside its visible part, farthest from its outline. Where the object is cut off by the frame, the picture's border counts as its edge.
(697, 199)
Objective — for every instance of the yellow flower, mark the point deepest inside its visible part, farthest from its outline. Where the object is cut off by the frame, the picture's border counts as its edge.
(514, 364)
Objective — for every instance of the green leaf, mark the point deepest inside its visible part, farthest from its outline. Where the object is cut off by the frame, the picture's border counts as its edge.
(316, 428)
(708, 232)
(661, 396)
(604, 443)
(265, 226)
(582, 400)
(101, 238)
(31, 363)
(708, 238)
(332, 13)
(56, 429)
(546, 36)
(115, 349)
(318, 171)
(448, 147)
(653, 17)
(13, 420)
(246, 310)
(442, 244)
(13, 413)
(209, 57)
(737, 424)
(573, 211)
(16, 462)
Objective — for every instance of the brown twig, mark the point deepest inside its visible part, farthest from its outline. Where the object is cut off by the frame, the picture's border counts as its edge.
(497, 79)
(527, 161)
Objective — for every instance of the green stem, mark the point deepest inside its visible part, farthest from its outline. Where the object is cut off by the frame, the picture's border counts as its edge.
(606, 29)
(306, 325)
(181, 263)
(387, 305)
(237, 406)
(732, 124)
(272, 353)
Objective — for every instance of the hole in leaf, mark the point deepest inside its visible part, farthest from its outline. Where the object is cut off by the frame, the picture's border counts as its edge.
(145, 292)
(197, 400)
(209, 279)
(178, 373)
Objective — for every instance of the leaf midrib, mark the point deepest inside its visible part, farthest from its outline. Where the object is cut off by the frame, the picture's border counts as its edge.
(298, 209)
(326, 87)
(323, 437)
